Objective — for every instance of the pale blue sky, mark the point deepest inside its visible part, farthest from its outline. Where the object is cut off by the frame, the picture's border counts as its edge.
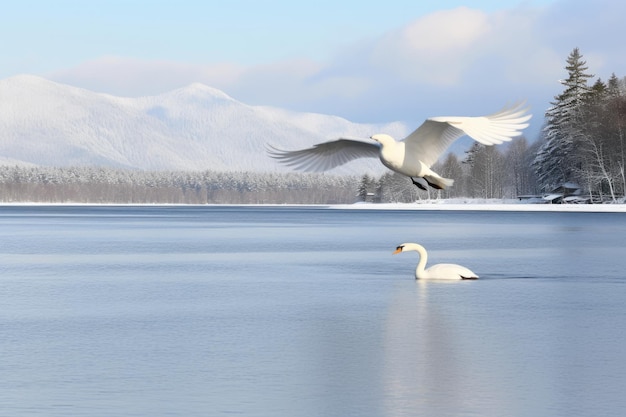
(51, 35)
(366, 61)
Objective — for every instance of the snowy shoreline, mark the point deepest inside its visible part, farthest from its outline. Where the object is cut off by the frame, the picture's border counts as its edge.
(422, 205)
(445, 206)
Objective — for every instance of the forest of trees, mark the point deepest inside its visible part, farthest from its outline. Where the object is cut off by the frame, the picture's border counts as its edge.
(583, 139)
(582, 142)
(105, 185)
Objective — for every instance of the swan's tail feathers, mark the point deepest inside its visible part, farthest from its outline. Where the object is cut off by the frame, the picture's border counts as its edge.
(438, 182)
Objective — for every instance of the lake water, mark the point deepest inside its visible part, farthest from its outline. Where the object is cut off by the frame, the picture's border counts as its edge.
(279, 311)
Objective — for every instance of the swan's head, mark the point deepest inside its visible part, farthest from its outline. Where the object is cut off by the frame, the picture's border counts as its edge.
(400, 248)
(406, 247)
(382, 138)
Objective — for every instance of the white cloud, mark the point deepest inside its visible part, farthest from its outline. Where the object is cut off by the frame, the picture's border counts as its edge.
(283, 82)
(434, 48)
(134, 77)
(454, 29)
(597, 28)
(449, 48)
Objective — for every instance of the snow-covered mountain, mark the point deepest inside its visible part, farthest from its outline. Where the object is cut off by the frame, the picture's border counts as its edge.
(192, 128)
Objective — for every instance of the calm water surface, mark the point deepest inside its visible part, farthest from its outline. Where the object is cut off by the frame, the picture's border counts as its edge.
(219, 311)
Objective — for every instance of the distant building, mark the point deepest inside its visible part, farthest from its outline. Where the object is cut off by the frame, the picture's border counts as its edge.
(567, 193)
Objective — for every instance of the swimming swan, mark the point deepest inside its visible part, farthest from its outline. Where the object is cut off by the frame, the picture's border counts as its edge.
(414, 155)
(438, 271)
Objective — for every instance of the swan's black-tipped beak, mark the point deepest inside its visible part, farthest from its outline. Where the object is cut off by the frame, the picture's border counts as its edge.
(398, 250)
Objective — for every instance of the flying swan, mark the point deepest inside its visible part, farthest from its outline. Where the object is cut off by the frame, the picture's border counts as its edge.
(438, 271)
(414, 155)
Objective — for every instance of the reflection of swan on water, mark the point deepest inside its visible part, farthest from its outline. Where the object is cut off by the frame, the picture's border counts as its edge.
(438, 271)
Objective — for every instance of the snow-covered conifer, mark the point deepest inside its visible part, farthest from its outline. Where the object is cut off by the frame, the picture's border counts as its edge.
(556, 160)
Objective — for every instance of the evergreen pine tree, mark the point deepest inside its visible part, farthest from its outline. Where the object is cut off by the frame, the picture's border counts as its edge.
(364, 187)
(556, 162)
(613, 86)
(598, 92)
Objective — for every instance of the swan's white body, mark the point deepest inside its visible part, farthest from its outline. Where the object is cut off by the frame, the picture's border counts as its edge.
(438, 271)
(414, 155)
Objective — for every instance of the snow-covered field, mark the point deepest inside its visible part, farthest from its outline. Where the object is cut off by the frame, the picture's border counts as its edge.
(443, 205)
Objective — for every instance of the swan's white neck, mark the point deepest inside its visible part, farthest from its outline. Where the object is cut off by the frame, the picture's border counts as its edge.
(421, 265)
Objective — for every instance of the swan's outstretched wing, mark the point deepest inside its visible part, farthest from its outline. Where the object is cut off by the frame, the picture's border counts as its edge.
(325, 156)
(429, 141)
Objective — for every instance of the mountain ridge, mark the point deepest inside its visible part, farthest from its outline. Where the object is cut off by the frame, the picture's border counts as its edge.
(196, 127)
